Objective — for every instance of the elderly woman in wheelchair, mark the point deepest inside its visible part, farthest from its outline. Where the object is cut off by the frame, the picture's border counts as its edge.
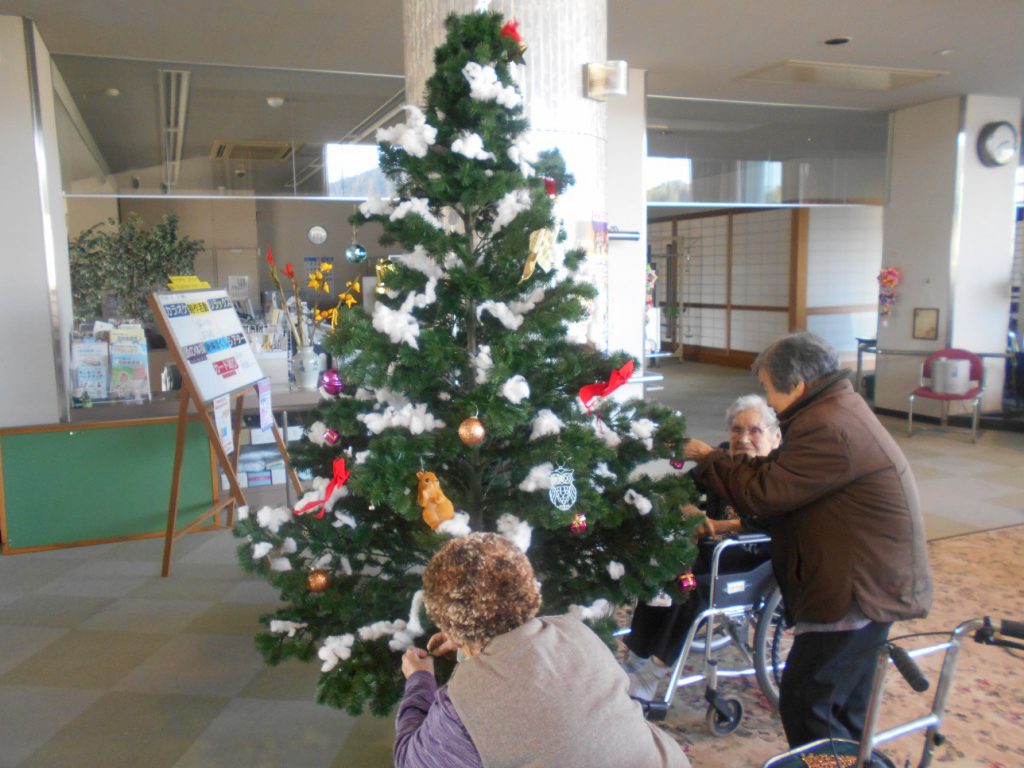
(660, 628)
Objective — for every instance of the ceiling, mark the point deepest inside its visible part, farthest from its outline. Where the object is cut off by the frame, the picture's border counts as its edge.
(335, 61)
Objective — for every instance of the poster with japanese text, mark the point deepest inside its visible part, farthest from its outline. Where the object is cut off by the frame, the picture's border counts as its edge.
(205, 327)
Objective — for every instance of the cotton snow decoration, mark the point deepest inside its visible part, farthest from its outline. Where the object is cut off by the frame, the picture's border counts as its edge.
(272, 518)
(511, 205)
(321, 484)
(531, 300)
(515, 389)
(286, 627)
(522, 153)
(289, 547)
(606, 433)
(482, 363)
(546, 423)
(538, 479)
(280, 564)
(415, 418)
(335, 648)
(642, 503)
(400, 325)
(421, 261)
(341, 518)
(519, 532)
(596, 610)
(616, 570)
(601, 470)
(485, 86)
(414, 136)
(501, 311)
(643, 430)
(402, 632)
(469, 144)
(361, 457)
(482, 6)
(261, 549)
(374, 206)
(419, 206)
(455, 526)
(243, 512)
(316, 433)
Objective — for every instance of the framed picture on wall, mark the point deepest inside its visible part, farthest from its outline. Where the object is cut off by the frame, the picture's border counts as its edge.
(926, 323)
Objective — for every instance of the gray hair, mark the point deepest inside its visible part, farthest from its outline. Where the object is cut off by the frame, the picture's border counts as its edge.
(753, 403)
(798, 357)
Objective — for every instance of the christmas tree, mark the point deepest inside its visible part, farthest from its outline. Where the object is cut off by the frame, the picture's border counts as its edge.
(470, 401)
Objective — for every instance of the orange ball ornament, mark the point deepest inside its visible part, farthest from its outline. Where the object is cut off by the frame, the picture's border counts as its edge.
(318, 580)
(472, 432)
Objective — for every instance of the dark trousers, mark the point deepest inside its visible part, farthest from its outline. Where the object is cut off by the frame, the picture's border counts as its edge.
(827, 682)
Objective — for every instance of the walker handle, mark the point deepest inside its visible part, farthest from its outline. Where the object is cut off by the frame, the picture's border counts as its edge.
(1012, 628)
(908, 668)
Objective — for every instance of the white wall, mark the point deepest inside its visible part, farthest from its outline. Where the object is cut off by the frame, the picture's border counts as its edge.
(35, 295)
(949, 228)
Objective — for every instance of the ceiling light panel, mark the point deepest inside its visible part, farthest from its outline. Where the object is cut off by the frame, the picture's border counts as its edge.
(849, 76)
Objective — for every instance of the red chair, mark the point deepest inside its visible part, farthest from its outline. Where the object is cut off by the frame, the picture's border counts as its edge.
(976, 386)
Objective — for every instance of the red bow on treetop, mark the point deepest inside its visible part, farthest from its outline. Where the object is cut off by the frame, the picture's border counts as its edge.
(616, 380)
(341, 475)
(511, 30)
(270, 256)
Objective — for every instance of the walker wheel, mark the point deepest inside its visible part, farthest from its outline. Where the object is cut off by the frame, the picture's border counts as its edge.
(721, 725)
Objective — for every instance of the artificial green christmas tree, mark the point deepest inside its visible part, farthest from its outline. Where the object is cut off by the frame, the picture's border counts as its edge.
(474, 338)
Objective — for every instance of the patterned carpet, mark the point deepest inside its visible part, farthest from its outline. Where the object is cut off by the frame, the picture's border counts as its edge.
(984, 722)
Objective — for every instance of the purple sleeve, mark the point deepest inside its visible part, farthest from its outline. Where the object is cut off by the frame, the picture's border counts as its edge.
(428, 731)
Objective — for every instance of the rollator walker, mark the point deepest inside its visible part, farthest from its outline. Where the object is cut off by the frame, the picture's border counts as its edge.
(843, 753)
(744, 612)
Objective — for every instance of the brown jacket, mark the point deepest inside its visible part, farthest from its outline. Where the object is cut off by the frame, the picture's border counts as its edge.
(846, 522)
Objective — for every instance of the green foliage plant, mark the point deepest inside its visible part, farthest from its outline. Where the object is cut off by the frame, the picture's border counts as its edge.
(127, 261)
(456, 362)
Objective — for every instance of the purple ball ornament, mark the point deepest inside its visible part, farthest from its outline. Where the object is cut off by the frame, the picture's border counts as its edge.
(331, 382)
(331, 436)
(677, 463)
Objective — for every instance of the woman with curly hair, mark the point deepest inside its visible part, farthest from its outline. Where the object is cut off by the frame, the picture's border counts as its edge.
(528, 691)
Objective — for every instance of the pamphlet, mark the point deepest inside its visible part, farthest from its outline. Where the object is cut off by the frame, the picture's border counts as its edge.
(129, 363)
(90, 359)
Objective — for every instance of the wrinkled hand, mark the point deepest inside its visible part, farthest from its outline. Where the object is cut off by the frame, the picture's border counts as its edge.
(695, 449)
(706, 528)
(439, 644)
(416, 660)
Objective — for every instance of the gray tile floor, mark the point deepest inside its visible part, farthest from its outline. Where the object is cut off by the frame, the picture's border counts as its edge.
(104, 663)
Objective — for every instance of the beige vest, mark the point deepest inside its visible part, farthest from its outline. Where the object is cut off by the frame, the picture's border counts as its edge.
(550, 693)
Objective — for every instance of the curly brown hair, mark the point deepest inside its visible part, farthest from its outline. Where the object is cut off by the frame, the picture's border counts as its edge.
(478, 587)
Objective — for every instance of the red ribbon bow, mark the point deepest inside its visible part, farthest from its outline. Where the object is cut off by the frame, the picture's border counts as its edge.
(511, 30)
(616, 380)
(340, 477)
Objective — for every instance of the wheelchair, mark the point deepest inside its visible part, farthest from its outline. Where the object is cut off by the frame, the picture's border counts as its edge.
(744, 611)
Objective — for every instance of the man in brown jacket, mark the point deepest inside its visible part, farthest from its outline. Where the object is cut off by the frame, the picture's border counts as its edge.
(847, 534)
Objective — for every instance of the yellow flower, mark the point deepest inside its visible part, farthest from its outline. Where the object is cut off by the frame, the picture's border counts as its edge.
(316, 280)
(353, 285)
(349, 299)
(326, 267)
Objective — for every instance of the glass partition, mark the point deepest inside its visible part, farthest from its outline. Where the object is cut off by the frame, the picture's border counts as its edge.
(704, 152)
(132, 128)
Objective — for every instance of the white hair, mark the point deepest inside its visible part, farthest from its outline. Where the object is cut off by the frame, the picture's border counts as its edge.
(753, 403)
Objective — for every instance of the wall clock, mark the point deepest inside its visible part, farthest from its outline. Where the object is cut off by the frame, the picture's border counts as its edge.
(997, 143)
(317, 235)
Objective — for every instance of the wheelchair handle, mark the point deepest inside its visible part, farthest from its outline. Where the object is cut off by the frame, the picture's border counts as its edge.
(1012, 628)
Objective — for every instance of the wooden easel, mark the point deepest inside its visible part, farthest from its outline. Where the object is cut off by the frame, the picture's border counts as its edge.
(190, 392)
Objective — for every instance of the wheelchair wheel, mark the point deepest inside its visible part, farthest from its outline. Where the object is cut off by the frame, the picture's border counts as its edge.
(722, 725)
(772, 641)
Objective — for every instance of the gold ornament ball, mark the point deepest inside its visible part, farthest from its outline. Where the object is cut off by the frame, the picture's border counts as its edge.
(471, 431)
(318, 580)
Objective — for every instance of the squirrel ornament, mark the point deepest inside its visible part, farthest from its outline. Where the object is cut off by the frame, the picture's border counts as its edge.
(436, 506)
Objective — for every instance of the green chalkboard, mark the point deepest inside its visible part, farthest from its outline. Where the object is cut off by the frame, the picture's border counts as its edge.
(89, 483)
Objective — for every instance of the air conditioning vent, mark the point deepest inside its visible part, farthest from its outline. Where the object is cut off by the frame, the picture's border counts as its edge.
(250, 150)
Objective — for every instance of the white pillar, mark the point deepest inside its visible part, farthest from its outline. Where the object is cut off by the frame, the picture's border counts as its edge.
(949, 228)
(561, 38)
(35, 294)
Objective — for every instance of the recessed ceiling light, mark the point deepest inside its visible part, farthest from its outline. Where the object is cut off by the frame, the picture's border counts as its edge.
(274, 102)
(838, 40)
(112, 92)
(943, 51)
